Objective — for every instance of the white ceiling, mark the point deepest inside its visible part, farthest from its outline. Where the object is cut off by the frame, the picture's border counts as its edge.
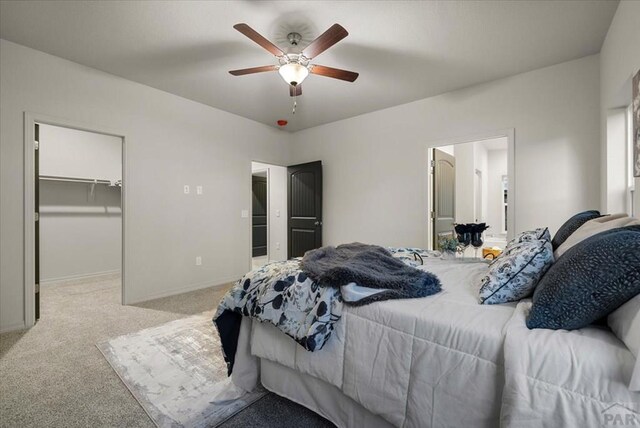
(403, 50)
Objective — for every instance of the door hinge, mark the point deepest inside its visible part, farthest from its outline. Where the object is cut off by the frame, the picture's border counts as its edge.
(432, 214)
(433, 163)
(37, 287)
(36, 145)
(36, 216)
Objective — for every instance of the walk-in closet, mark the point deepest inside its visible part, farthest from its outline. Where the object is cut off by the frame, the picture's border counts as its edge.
(79, 220)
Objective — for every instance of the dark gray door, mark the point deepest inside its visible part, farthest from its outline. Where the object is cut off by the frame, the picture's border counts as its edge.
(36, 204)
(259, 216)
(444, 194)
(304, 190)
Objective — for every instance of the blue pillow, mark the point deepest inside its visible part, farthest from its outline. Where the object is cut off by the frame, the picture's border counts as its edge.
(591, 280)
(572, 225)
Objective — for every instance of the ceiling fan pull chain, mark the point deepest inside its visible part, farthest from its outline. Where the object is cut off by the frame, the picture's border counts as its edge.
(295, 104)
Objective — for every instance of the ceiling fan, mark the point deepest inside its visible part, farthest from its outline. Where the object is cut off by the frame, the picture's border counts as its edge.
(295, 67)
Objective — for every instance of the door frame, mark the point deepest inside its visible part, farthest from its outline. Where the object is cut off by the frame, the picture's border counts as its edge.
(30, 119)
(510, 135)
(432, 196)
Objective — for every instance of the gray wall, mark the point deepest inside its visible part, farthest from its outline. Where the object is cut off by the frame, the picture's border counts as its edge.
(170, 142)
(619, 60)
(79, 236)
(80, 229)
(73, 153)
(375, 180)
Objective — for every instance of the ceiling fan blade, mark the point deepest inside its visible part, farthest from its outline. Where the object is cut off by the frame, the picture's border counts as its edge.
(256, 37)
(252, 70)
(327, 39)
(295, 91)
(336, 73)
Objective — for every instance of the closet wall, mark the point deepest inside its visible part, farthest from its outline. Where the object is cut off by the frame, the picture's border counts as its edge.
(80, 223)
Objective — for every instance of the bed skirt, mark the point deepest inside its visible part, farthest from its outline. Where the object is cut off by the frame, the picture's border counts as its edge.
(318, 396)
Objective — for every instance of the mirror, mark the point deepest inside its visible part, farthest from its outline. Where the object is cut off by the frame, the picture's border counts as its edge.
(469, 183)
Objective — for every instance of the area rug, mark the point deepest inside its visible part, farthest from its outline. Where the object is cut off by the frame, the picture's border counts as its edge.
(177, 373)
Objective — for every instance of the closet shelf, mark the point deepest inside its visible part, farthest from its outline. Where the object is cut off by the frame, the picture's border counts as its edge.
(117, 183)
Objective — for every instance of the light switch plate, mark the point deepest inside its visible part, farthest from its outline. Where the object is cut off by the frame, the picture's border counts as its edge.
(277, 213)
(198, 190)
(186, 189)
(244, 213)
(198, 260)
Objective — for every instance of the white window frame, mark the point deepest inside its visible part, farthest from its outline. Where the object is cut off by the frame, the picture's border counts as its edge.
(631, 210)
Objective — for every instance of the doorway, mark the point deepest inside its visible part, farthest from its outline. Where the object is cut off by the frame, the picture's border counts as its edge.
(259, 218)
(74, 213)
(286, 211)
(471, 181)
(268, 213)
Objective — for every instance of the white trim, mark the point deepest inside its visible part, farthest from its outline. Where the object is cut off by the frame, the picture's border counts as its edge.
(81, 276)
(510, 134)
(193, 287)
(268, 170)
(30, 119)
(29, 222)
(13, 327)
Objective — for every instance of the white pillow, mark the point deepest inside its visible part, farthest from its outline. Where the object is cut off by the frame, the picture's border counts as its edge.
(625, 324)
(515, 274)
(530, 235)
(593, 227)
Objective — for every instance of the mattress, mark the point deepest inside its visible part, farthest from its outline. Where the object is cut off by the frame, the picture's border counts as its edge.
(412, 362)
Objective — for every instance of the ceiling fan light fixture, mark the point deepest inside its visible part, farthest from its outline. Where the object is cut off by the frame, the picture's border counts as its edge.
(293, 73)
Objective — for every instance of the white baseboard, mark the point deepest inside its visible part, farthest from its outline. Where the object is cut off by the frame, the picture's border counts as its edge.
(12, 327)
(94, 275)
(192, 287)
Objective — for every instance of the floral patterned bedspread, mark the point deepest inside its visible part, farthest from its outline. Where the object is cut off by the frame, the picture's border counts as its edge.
(281, 293)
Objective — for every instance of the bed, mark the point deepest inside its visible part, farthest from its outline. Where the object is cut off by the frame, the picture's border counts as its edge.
(408, 362)
(575, 378)
(443, 360)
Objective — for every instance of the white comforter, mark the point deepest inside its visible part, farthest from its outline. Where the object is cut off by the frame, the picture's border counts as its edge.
(559, 378)
(440, 360)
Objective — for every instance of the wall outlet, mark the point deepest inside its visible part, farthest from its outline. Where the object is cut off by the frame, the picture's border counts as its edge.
(277, 245)
(198, 261)
(244, 213)
(186, 189)
(198, 190)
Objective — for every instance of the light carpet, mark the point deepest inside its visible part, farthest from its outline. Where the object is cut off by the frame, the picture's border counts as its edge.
(53, 375)
(177, 373)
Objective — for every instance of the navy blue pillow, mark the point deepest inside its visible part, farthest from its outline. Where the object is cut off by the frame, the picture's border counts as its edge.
(571, 226)
(591, 280)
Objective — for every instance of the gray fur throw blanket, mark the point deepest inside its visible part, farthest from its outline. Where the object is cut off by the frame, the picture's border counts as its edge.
(369, 267)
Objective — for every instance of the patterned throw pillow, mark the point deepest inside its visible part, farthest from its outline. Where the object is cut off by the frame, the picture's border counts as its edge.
(591, 280)
(413, 256)
(514, 275)
(531, 235)
(572, 225)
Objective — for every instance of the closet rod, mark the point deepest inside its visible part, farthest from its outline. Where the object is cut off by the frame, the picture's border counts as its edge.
(78, 180)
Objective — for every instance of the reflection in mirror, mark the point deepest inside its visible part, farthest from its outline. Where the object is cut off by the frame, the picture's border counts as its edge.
(469, 184)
